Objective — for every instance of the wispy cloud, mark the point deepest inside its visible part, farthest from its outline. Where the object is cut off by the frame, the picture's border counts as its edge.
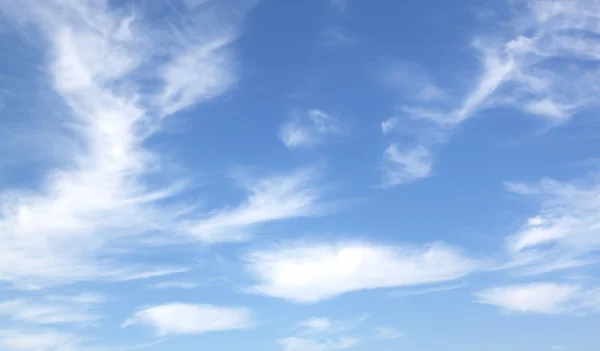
(63, 231)
(540, 64)
(311, 273)
(322, 325)
(543, 298)
(53, 340)
(270, 199)
(303, 344)
(427, 291)
(179, 318)
(315, 325)
(405, 166)
(564, 232)
(522, 67)
(412, 82)
(389, 333)
(310, 129)
(175, 285)
(15, 340)
(341, 7)
(53, 309)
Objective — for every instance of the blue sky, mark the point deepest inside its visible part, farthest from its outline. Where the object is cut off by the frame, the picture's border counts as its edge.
(310, 175)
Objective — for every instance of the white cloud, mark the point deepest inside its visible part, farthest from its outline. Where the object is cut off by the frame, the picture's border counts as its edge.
(426, 291)
(321, 325)
(316, 325)
(310, 273)
(302, 344)
(179, 318)
(521, 67)
(63, 231)
(404, 166)
(564, 232)
(53, 340)
(543, 298)
(175, 285)
(309, 130)
(270, 199)
(52, 309)
(389, 333)
(537, 298)
(200, 73)
(543, 64)
(45, 340)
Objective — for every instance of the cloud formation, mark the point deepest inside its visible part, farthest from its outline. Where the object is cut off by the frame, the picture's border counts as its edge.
(180, 318)
(405, 166)
(310, 129)
(542, 63)
(53, 309)
(270, 199)
(63, 231)
(311, 273)
(541, 298)
(564, 233)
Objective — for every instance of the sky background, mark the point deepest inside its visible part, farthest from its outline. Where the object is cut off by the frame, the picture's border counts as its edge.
(311, 175)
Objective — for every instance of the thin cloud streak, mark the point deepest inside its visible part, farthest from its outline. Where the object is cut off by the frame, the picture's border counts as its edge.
(270, 199)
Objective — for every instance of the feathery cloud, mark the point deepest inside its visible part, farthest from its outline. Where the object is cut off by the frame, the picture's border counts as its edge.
(544, 65)
(564, 232)
(270, 199)
(63, 231)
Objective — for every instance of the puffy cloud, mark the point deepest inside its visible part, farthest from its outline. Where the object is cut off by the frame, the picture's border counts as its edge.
(310, 273)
